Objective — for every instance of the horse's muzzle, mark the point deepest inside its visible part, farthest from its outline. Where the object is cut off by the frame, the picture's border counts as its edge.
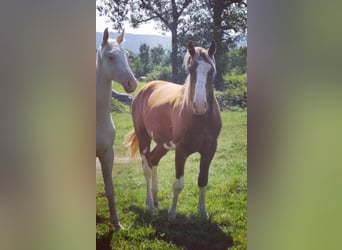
(199, 108)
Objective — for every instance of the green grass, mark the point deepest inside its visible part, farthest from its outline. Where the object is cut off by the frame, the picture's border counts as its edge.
(226, 197)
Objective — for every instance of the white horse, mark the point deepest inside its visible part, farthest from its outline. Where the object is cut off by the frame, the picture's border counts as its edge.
(111, 65)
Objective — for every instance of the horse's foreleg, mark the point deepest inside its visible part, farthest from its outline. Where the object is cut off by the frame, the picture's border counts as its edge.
(158, 152)
(107, 166)
(203, 180)
(177, 187)
(178, 184)
(155, 187)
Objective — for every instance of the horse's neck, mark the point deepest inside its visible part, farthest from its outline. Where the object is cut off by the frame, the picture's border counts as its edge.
(103, 98)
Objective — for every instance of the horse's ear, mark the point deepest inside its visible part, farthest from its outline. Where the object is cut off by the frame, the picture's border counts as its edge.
(120, 38)
(212, 48)
(191, 49)
(105, 37)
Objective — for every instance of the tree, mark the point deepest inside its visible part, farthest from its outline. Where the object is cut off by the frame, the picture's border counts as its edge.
(216, 20)
(238, 60)
(167, 14)
(157, 54)
(198, 20)
(145, 57)
(116, 10)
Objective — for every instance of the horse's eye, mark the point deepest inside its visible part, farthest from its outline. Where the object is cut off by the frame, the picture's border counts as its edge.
(111, 58)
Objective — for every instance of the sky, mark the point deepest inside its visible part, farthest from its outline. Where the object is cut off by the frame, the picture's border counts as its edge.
(149, 28)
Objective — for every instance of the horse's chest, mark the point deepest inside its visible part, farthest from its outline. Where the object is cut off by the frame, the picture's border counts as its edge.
(197, 138)
(196, 134)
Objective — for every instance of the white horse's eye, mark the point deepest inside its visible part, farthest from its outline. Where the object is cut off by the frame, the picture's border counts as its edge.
(111, 58)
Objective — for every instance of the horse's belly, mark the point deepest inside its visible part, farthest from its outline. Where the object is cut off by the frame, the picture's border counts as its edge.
(159, 135)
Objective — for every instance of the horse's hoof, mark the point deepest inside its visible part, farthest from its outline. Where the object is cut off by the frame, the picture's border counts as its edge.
(155, 211)
(172, 215)
(203, 216)
(172, 218)
(152, 210)
(150, 205)
(118, 226)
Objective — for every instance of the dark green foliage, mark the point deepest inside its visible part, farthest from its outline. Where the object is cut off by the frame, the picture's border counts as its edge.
(160, 73)
(228, 102)
(118, 107)
(137, 67)
(153, 63)
(235, 94)
(237, 61)
(145, 58)
(157, 54)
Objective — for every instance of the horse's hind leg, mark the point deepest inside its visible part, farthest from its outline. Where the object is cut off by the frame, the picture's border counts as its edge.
(158, 152)
(106, 160)
(144, 147)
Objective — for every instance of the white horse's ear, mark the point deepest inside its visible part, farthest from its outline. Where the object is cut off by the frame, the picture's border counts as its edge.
(120, 38)
(105, 37)
(191, 49)
(212, 48)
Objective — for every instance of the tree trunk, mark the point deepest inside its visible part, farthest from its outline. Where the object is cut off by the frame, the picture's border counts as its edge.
(218, 37)
(174, 53)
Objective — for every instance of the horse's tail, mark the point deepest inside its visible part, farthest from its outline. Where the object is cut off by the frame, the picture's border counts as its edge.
(132, 143)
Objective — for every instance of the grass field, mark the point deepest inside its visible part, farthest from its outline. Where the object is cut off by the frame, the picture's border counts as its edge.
(226, 197)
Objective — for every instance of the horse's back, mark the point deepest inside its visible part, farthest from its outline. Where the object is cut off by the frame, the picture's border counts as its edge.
(153, 107)
(157, 95)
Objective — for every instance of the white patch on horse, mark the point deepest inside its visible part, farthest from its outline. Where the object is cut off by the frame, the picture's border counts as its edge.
(200, 95)
(145, 150)
(177, 187)
(171, 146)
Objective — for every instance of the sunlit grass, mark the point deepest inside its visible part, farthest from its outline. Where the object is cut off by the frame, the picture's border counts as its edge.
(226, 197)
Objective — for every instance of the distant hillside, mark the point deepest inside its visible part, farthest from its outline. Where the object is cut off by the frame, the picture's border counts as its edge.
(133, 41)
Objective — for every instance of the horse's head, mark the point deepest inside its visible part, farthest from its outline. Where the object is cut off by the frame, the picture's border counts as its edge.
(200, 64)
(113, 64)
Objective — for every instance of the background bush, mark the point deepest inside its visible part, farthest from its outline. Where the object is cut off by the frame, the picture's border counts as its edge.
(119, 107)
(160, 72)
(235, 94)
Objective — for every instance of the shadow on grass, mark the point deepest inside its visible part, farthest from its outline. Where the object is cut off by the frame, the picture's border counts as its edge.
(189, 232)
(103, 241)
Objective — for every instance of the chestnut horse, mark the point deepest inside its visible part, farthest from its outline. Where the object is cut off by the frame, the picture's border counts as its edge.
(111, 64)
(184, 118)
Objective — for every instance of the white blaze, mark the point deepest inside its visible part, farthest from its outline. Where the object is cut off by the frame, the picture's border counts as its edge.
(200, 96)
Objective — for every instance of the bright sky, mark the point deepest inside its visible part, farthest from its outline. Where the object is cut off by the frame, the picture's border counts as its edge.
(149, 28)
